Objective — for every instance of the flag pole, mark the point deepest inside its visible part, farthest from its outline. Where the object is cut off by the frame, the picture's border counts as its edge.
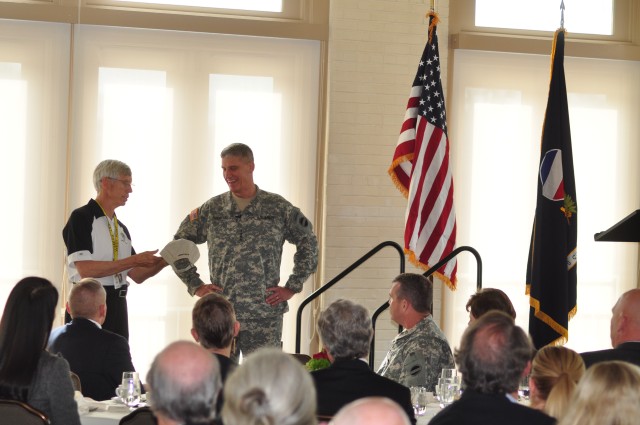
(433, 5)
(561, 14)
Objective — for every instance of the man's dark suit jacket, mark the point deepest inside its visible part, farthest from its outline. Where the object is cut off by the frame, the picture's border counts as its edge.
(475, 408)
(96, 355)
(348, 380)
(226, 367)
(627, 351)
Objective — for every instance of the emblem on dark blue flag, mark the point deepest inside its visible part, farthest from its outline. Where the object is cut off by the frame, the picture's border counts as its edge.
(551, 175)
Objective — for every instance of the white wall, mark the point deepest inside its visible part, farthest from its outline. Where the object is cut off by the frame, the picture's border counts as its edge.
(374, 49)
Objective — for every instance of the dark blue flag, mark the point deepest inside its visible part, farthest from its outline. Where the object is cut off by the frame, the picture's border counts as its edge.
(551, 269)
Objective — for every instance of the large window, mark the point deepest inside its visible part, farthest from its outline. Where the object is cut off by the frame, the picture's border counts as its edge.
(34, 72)
(498, 106)
(498, 98)
(257, 5)
(166, 103)
(581, 16)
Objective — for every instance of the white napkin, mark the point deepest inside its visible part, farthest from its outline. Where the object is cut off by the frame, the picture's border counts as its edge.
(86, 404)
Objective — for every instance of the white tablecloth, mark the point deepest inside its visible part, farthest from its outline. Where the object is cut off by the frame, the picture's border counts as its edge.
(103, 418)
(113, 417)
(432, 410)
(106, 412)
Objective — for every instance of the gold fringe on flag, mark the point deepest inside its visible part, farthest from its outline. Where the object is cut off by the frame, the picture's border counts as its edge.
(416, 262)
(564, 333)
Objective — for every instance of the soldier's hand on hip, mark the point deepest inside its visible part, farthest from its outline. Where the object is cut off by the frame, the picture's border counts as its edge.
(278, 294)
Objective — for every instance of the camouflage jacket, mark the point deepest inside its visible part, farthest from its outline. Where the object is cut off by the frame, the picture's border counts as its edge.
(418, 355)
(245, 249)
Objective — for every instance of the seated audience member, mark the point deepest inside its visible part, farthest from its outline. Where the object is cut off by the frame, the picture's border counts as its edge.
(420, 352)
(608, 394)
(184, 381)
(493, 357)
(371, 411)
(96, 355)
(346, 332)
(555, 372)
(270, 387)
(488, 299)
(29, 373)
(625, 332)
(214, 328)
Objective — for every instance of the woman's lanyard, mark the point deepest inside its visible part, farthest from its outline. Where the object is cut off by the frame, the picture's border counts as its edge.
(113, 232)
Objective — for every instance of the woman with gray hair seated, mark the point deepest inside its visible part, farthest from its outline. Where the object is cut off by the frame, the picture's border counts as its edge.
(346, 332)
(269, 388)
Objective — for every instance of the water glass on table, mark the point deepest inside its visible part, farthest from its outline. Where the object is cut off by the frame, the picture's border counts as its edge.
(448, 390)
(419, 400)
(449, 373)
(129, 391)
(523, 389)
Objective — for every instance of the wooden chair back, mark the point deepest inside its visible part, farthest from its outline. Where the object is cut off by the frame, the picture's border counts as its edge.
(19, 413)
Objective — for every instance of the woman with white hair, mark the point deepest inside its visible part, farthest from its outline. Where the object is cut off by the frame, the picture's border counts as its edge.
(269, 388)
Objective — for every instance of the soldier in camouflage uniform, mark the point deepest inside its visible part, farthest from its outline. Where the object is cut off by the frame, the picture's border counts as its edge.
(420, 352)
(245, 230)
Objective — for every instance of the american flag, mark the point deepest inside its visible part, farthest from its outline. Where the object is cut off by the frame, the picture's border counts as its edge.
(421, 170)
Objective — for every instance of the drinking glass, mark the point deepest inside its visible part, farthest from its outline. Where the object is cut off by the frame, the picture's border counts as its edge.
(449, 388)
(419, 400)
(130, 389)
(523, 389)
(449, 373)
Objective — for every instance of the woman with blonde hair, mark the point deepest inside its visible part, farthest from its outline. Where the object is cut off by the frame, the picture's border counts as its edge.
(269, 388)
(607, 394)
(555, 373)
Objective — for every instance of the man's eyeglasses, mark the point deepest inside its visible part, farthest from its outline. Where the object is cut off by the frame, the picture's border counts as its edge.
(124, 182)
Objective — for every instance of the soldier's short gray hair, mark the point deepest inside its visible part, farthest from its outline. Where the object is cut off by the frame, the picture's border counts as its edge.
(417, 290)
(111, 168)
(345, 328)
(238, 149)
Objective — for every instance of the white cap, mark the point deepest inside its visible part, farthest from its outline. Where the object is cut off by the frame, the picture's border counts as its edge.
(181, 254)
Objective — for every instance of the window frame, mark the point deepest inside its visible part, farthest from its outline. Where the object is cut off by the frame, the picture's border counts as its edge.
(300, 19)
(623, 44)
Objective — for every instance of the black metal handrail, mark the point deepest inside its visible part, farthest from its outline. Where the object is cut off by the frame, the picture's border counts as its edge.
(429, 272)
(315, 294)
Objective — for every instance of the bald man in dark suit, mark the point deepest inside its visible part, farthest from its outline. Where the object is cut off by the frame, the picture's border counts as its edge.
(624, 332)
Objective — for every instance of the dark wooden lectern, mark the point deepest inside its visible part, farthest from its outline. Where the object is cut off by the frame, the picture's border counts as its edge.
(626, 230)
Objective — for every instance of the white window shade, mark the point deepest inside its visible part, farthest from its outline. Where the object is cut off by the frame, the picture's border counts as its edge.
(34, 69)
(166, 103)
(498, 106)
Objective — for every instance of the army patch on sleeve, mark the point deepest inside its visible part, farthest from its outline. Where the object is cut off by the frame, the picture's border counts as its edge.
(302, 221)
(193, 215)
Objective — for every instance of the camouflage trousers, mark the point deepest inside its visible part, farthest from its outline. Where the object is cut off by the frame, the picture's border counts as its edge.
(265, 332)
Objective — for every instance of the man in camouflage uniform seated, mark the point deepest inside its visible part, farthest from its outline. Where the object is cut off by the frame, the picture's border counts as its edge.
(420, 352)
(245, 230)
